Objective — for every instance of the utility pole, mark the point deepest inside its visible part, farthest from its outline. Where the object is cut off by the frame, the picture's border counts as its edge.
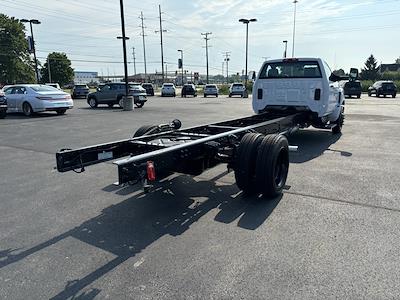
(48, 68)
(127, 102)
(227, 59)
(144, 46)
(134, 60)
(181, 51)
(206, 38)
(162, 50)
(294, 25)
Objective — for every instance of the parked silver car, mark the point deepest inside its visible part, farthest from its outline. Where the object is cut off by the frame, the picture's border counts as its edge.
(210, 89)
(31, 98)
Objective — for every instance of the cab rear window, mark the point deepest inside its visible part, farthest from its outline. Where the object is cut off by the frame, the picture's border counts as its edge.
(291, 69)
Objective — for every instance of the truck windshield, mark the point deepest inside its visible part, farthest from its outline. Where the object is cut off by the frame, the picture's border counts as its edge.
(291, 69)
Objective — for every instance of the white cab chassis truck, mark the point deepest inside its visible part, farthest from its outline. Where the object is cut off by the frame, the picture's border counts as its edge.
(301, 84)
(288, 94)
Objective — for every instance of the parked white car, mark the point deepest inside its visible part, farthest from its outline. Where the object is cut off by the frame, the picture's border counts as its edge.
(210, 89)
(236, 89)
(168, 89)
(54, 85)
(31, 98)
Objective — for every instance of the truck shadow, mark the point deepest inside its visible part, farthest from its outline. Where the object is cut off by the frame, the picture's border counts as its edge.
(312, 144)
(127, 228)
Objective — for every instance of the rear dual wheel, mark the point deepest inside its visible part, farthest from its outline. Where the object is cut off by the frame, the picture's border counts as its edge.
(262, 164)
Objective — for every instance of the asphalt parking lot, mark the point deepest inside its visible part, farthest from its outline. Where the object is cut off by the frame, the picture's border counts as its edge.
(333, 234)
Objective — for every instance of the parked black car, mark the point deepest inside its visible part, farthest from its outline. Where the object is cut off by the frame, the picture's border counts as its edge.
(149, 88)
(80, 90)
(383, 88)
(352, 88)
(3, 106)
(189, 90)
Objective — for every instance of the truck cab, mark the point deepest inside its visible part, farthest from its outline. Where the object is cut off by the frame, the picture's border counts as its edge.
(300, 84)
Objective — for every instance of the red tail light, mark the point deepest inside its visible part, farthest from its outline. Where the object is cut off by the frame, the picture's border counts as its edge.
(151, 171)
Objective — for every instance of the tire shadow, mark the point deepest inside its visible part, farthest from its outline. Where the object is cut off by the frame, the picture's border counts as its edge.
(312, 144)
(127, 228)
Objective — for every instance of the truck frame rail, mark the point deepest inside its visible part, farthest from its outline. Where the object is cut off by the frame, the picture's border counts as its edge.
(167, 148)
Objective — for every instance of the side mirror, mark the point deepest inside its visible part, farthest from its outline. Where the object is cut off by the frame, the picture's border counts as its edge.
(253, 75)
(353, 75)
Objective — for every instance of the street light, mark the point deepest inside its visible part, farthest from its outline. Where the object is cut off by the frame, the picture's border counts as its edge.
(36, 22)
(127, 103)
(285, 53)
(294, 25)
(181, 51)
(247, 21)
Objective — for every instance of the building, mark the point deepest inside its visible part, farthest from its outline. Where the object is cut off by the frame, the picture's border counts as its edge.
(81, 77)
(389, 68)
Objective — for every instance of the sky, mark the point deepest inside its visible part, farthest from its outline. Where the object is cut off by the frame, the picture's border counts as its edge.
(342, 32)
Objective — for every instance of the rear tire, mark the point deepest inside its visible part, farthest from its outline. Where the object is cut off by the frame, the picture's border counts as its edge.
(272, 165)
(359, 96)
(3, 114)
(245, 162)
(92, 102)
(144, 129)
(110, 105)
(394, 96)
(61, 111)
(339, 124)
(27, 109)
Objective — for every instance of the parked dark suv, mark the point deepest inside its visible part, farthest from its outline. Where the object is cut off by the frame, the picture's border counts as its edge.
(383, 88)
(352, 88)
(112, 93)
(80, 90)
(149, 88)
(189, 89)
(3, 106)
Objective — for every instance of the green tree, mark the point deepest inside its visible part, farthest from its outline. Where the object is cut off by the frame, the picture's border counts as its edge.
(398, 61)
(16, 64)
(339, 72)
(371, 69)
(60, 69)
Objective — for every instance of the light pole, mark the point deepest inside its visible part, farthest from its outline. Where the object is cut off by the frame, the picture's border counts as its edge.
(285, 53)
(37, 22)
(181, 51)
(127, 103)
(294, 25)
(247, 21)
